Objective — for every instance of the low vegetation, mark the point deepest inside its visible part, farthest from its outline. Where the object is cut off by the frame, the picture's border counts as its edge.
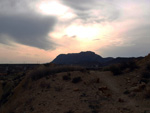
(66, 77)
(7, 91)
(146, 75)
(70, 111)
(148, 66)
(43, 71)
(118, 69)
(44, 85)
(8, 84)
(76, 80)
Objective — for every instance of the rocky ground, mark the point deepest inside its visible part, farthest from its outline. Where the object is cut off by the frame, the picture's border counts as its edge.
(82, 91)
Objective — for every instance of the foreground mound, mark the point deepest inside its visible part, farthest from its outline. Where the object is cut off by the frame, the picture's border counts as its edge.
(77, 90)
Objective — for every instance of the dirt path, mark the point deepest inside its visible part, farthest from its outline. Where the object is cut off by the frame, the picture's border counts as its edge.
(117, 90)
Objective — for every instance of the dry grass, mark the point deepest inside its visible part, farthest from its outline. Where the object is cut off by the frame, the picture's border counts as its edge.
(43, 71)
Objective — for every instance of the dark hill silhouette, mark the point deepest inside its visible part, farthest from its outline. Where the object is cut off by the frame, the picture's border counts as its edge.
(87, 58)
(80, 58)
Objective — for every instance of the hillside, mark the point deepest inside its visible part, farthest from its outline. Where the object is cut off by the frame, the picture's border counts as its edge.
(73, 89)
(82, 58)
(87, 59)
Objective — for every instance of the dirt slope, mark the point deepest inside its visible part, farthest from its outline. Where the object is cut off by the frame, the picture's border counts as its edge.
(80, 92)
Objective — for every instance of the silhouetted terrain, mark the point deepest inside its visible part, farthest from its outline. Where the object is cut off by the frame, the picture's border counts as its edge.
(88, 59)
(6, 69)
(51, 88)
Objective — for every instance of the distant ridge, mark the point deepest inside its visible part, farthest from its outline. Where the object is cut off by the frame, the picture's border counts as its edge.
(82, 58)
(87, 58)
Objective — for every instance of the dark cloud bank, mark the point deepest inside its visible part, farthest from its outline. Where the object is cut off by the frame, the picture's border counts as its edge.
(27, 29)
(21, 24)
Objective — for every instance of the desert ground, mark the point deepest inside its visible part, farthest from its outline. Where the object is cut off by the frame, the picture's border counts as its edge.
(61, 89)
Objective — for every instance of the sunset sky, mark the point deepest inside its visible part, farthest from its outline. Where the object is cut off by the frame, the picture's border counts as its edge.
(36, 31)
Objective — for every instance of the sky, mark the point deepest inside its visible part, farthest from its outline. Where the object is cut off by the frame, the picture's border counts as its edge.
(36, 31)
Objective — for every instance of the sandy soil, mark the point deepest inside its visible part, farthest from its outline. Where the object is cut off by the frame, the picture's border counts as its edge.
(95, 92)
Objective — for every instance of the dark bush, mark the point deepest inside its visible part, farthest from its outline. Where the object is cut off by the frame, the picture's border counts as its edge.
(148, 67)
(126, 92)
(58, 88)
(145, 80)
(128, 65)
(45, 85)
(115, 70)
(147, 94)
(43, 71)
(70, 111)
(95, 111)
(76, 80)
(146, 74)
(124, 65)
(93, 106)
(39, 73)
(132, 65)
(4, 84)
(5, 96)
(66, 77)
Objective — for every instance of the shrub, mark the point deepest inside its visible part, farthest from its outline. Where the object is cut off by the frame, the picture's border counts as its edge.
(146, 74)
(70, 111)
(132, 65)
(58, 88)
(148, 66)
(126, 92)
(124, 65)
(76, 80)
(4, 84)
(43, 71)
(5, 97)
(38, 73)
(128, 65)
(65, 77)
(147, 94)
(115, 70)
(144, 80)
(45, 85)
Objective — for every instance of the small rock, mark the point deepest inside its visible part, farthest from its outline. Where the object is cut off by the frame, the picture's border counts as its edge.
(120, 100)
(97, 81)
(128, 81)
(62, 100)
(84, 83)
(134, 89)
(103, 88)
(108, 95)
(59, 103)
(142, 85)
(138, 88)
(132, 94)
(76, 89)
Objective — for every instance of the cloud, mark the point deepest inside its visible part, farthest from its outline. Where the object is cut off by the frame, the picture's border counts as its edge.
(15, 6)
(27, 29)
(94, 10)
(81, 5)
(135, 50)
(20, 23)
(133, 42)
